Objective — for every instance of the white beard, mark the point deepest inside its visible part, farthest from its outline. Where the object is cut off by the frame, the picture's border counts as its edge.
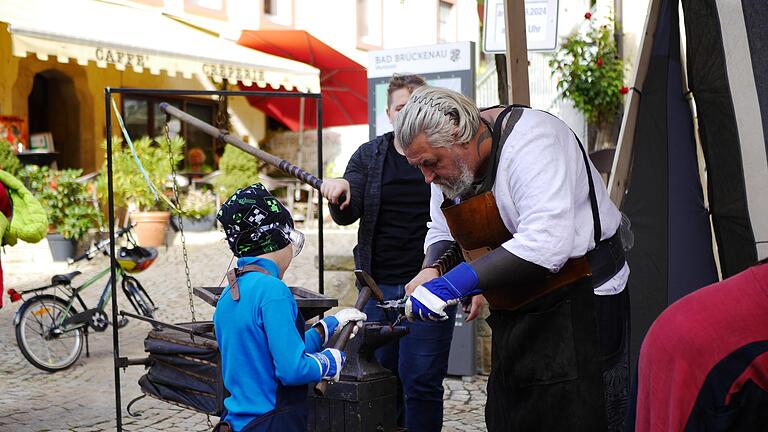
(462, 185)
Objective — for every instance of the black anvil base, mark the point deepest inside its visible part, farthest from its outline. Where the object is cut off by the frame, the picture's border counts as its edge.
(355, 406)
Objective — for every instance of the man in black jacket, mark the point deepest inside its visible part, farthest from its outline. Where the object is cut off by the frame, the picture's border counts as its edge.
(392, 202)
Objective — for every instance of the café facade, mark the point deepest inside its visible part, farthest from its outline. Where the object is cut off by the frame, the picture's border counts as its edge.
(56, 59)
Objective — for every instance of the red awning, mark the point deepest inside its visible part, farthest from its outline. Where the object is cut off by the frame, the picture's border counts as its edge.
(343, 82)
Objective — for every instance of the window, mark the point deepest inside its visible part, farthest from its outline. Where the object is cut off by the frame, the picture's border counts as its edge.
(446, 26)
(270, 7)
(369, 24)
(277, 13)
(208, 8)
(143, 116)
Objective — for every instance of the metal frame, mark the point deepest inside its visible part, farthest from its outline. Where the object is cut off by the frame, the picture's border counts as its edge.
(108, 92)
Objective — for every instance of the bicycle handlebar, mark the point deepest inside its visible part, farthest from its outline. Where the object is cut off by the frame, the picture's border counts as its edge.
(98, 246)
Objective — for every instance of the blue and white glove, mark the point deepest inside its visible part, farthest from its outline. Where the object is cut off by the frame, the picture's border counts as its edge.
(330, 361)
(334, 323)
(429, 300)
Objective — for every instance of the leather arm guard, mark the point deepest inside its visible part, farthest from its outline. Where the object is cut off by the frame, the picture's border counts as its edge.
(443, 256)
(501, 268)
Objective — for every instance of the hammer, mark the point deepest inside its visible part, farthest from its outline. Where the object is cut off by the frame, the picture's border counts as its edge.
(369, 288)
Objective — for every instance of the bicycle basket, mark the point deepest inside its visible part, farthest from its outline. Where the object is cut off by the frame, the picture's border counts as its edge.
(136, 259)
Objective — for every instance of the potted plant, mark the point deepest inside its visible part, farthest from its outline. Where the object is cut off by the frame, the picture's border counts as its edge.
(131, 191)
(591, 74)
(71, 212)
(198, 209)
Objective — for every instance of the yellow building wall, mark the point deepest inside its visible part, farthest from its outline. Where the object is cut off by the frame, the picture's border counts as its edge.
(17, 78)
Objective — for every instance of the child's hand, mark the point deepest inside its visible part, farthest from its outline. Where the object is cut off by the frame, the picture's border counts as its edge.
(347, 315)
(330, 361)
(332, 324)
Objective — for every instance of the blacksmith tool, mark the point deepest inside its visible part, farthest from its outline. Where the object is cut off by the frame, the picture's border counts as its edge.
(397, 306)
(369, 289)
(223, 135)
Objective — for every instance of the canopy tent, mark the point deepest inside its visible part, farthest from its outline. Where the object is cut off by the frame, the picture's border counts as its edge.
(343, 82)
(727, 70)
(656, 177)
(142, 39)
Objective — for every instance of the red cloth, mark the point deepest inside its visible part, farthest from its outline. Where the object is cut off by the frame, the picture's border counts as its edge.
(343, 81)
(693, 336)
(5, 202)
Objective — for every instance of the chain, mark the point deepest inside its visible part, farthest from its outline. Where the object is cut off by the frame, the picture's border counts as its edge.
(181, 223)
(222, 116)
(221, 113)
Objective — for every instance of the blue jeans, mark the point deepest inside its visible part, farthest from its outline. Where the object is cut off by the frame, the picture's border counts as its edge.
(420, 360)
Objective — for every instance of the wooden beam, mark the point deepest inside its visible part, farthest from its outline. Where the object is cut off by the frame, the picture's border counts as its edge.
(617, 184)
(517, 52)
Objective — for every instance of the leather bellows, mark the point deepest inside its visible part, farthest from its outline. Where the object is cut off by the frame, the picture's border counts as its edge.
(185, 369)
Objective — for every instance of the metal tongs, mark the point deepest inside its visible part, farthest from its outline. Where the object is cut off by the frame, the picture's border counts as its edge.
(397, 306)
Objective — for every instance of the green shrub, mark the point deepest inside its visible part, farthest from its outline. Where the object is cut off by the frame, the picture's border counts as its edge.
(35, 178)
(9, 162)
(197, 204)
(129, 185)
(590, 71)
(71, 212)
(238, 169)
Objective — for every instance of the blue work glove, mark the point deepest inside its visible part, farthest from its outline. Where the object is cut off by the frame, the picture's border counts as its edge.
(429, 300)
(332, 324)
(330, 361)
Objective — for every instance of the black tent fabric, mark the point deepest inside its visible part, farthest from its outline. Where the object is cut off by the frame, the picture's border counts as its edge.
(727, 67)
(673, 254)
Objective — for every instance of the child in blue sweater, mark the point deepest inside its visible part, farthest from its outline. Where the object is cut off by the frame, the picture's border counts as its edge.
(267, 358)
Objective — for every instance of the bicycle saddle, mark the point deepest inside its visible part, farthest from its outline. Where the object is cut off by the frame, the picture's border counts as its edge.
(64, 279)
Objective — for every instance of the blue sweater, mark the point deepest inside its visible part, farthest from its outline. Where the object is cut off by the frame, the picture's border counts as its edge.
(260, 346)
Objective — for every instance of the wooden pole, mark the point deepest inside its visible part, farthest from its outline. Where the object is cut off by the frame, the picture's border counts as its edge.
(517, 52)
(617, 184)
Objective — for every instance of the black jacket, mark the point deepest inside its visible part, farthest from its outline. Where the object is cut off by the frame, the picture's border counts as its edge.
(364, 176)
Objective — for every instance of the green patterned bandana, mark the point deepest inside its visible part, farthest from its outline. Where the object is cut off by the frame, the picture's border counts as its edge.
(255, 222)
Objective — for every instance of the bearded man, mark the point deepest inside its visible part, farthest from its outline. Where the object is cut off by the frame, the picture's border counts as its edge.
(520, 216)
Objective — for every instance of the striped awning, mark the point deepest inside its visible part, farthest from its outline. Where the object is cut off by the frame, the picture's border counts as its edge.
(142, 39)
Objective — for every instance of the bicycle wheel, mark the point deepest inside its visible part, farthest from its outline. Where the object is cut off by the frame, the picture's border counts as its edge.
(39, 337)
(138, 297)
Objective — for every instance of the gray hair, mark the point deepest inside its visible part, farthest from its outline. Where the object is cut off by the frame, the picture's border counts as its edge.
(444, 116)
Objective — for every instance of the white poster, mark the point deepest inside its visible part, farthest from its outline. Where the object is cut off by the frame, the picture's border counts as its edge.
(540, 23)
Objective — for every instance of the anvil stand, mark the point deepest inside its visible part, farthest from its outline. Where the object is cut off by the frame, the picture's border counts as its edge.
(365, 398)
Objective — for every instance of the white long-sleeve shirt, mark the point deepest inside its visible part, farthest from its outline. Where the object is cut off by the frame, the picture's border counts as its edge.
(542, 193)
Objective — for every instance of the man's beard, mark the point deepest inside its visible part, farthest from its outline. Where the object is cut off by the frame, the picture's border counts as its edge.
(462, 186)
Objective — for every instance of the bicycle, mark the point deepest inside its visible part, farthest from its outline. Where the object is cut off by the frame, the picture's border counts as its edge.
(50, 330)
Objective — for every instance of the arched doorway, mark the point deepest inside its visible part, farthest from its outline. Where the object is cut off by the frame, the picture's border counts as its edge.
(53, 107)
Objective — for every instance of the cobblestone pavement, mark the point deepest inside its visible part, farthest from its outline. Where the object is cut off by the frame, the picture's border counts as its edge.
(82, 398)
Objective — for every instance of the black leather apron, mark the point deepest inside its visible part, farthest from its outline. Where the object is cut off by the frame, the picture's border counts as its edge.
(546, 371)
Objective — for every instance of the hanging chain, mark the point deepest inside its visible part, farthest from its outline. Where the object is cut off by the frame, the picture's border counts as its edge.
(221, 113)
(222, 116)
(179, 219)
